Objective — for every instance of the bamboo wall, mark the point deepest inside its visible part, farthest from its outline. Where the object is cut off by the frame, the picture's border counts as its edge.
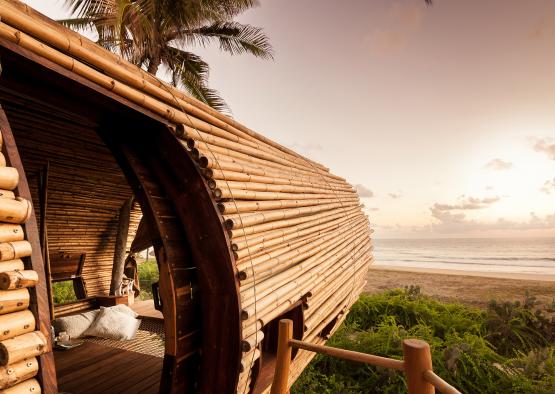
(297, 232)
(86, 188)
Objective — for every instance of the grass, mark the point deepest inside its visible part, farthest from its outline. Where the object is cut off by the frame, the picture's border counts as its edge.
(63, 292)
(505, 348)
(148, 274)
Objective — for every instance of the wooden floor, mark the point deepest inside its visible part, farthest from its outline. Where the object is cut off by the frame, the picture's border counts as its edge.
(146, 309)
(91, 369)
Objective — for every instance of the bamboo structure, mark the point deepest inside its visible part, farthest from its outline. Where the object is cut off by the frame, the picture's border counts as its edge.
(270, 232)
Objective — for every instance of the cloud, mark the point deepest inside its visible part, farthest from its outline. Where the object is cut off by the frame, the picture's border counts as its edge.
(373, 209)
(395, 196)
(464, 203)
(498, 165)
(363, 191)
(546, 146)
(548, 186)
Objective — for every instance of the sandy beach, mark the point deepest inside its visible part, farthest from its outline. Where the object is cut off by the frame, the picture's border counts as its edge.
(475, 288)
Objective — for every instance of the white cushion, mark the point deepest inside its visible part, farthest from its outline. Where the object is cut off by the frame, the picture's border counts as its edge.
(75, 325)
(110, 323)
(124, 309)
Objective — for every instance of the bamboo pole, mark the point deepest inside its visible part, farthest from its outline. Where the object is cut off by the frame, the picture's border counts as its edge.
(18, 279)
(283, 360)
(249, 343)
(11, 265)
(14, 250)
(9, 178)
(245, 233)
(43, 234)
(239, 209)
(251, 241)
(7, 193)
(18, 372)
(15, 211)
(16, 323)
(11, 232)
(24, 346)
(13, 301)
(417, 360)
(28, 386)
(259, 218)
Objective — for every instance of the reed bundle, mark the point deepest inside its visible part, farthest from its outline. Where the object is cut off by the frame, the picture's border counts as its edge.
(18, 372)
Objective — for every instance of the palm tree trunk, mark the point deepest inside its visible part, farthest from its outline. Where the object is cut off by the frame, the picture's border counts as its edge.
(153, 65)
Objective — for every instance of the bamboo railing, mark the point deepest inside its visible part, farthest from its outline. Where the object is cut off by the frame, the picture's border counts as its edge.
(416, 363)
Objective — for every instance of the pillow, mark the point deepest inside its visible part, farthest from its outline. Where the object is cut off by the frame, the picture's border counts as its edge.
(124, 309)
(75, 325)
(113, 324)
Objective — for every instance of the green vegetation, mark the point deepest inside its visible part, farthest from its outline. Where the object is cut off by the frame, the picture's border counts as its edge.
(507, 348)
(63, 292)
(148, 274)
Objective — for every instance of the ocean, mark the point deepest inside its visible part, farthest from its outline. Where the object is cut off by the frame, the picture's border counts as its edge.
(514, 255)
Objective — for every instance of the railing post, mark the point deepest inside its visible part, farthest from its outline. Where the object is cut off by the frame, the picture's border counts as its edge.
(283, 360)
(417, 360)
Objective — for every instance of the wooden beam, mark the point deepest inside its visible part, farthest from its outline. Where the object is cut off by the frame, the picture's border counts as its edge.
(42, 181)
(121, 245)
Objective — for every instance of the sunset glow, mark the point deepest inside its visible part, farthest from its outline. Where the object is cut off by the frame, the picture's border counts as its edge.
(435, 105)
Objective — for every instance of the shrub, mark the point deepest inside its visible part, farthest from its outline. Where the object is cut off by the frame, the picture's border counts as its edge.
(459, 337)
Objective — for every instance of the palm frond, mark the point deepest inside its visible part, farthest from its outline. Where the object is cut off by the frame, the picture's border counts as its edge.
(77, 23)
(190, 72)
(234, 38)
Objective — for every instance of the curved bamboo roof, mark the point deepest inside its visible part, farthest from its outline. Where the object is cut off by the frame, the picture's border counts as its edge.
(297, 234)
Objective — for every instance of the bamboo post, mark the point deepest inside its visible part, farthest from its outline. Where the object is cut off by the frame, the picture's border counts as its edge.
(121, 243)
(417, 360)
(43, 201)
(283, 361)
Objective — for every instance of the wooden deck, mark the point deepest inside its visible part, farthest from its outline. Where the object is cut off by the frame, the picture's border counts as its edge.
(91, 369)
(146, 309)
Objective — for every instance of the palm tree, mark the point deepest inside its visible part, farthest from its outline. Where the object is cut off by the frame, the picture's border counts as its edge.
(155, 33)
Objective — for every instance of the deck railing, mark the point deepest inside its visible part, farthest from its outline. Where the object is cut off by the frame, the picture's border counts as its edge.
(416, 363)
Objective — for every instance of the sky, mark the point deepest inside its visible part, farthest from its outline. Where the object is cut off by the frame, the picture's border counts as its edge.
(442, 116)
